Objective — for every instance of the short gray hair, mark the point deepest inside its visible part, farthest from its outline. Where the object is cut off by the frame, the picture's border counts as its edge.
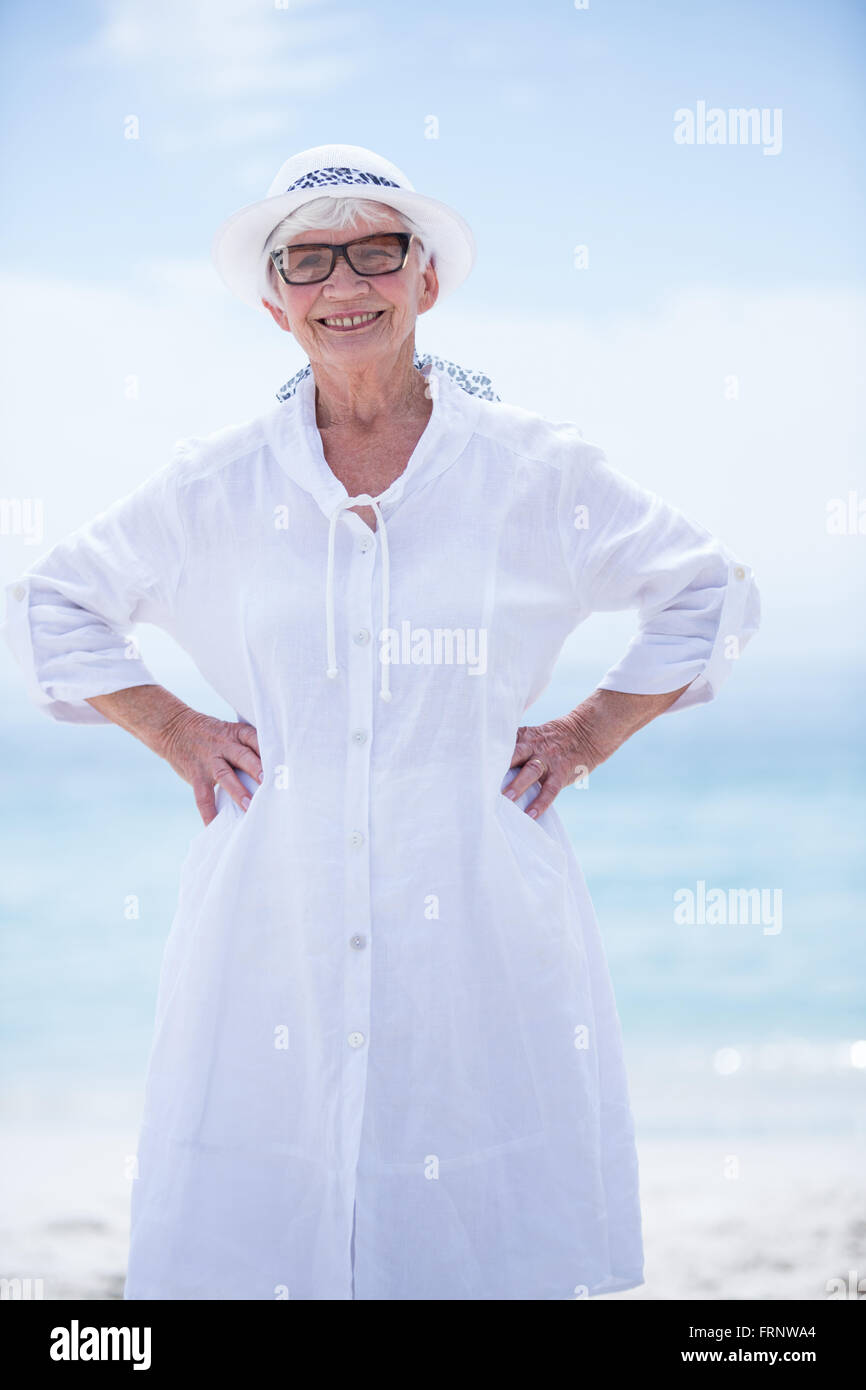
(326, 213)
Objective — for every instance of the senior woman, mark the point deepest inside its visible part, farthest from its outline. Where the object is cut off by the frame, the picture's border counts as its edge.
(387, 1062)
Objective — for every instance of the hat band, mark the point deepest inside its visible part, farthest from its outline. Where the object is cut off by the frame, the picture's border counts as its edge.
(318, 178)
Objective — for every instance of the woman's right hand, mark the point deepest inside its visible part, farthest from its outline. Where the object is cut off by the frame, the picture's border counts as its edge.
(205, 751)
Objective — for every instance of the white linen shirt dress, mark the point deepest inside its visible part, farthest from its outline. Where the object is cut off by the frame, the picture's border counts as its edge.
(387, 1062)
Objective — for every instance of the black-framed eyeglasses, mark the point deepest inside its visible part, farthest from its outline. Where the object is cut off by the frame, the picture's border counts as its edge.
(380, 254)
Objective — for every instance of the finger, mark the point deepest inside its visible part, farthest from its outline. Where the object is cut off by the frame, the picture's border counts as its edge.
(538, 805)
(226, 778)
(248, 733)
(245, 757)
(529, 773)
(205, 801)
(522, 749)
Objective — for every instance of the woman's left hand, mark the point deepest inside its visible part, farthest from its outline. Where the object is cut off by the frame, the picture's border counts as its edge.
(564, 750)
(554, 754)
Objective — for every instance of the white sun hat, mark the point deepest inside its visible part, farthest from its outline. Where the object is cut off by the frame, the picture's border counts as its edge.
(337, 171)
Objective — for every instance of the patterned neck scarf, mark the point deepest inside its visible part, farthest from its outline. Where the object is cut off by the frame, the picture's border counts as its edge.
(474, 382)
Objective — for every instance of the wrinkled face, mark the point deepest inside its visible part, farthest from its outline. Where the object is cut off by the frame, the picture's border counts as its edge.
(396, 299)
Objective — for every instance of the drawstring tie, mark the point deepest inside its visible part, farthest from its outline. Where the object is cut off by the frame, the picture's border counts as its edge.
(363, 500)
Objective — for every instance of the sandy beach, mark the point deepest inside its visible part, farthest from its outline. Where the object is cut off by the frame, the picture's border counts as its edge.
(778, 1220)
(792, 1219)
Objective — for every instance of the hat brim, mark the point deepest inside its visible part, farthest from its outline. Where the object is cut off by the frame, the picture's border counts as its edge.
(238, 247)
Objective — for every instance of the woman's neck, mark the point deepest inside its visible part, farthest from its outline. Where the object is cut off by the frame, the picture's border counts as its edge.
(384, 389)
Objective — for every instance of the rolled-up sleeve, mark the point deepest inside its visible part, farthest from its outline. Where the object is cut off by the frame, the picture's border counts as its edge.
(626, 548)
(67, 617)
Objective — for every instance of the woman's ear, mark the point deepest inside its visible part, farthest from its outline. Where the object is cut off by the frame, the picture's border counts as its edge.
(430, 290)
(278, 316)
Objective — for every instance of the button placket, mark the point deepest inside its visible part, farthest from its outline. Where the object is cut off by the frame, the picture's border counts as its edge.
(358, 659)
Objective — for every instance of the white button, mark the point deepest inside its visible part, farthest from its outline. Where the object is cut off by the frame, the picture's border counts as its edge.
(19, 591)
(356, 838)
(362, 636)
(356, 1039)
(359, 736)
(357, 943)
(739, 572)
(366, 543)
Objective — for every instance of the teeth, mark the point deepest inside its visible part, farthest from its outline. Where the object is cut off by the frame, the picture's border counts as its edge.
(350, 322)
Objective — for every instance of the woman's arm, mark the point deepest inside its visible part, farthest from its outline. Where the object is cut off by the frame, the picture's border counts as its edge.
(202, 750)
(697, 604)
(575, 745)
(68, 616)
(697, 607)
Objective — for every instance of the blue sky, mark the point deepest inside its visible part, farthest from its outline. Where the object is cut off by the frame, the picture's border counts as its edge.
(555, 129)
(555, 125)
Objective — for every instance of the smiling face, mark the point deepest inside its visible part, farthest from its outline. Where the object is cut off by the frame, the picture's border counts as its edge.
(393, 301)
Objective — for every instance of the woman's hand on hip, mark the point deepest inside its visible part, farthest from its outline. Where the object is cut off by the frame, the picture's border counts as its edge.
(554, 754)
(564, 750)
(205, 751)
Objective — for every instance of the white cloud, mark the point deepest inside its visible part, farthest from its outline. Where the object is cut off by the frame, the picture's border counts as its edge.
(197, 32)
(196, 56)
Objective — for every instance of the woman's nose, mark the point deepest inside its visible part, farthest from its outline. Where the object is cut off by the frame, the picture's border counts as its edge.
(343, 275)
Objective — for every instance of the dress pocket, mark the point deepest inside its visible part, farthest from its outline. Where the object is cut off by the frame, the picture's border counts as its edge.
(226, 812)
(195, 893)
(529, 832)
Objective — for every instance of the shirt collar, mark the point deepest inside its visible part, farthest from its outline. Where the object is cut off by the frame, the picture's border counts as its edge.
(475, 383)
(293, 435)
